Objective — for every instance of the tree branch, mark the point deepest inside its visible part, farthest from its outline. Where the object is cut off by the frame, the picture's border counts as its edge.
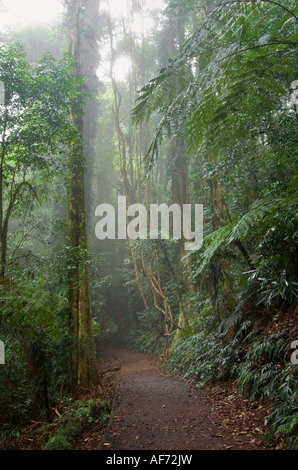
(265, 1)
(12, 201)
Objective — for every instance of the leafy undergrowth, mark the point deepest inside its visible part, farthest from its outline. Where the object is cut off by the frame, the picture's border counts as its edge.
(257, 359)
(239, 417)
(78, 424)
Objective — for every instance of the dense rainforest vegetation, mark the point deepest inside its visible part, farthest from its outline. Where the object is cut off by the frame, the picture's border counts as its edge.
(185, 102)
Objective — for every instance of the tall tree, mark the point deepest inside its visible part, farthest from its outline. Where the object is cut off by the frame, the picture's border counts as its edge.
(178, 160)
(83, 371)
(89, 36)
(240, 76)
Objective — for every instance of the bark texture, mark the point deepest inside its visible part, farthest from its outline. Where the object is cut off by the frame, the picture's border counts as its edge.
(83, 372)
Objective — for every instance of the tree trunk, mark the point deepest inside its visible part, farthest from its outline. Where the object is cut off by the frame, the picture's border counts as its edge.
(221, 217)
(90, 32)
(2, 238)
(180, 187)
(83, 372)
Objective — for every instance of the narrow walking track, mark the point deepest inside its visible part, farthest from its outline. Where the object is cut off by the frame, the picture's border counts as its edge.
(156, 411)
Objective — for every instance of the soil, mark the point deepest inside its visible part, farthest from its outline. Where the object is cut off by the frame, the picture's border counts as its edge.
(155, 410)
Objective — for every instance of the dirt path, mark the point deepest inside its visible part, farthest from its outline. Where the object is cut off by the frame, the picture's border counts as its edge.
(156, 411)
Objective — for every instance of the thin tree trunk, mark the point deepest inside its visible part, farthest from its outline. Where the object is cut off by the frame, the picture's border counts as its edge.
(2, 241)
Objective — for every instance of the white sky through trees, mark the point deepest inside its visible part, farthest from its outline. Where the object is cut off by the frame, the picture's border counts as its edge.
(21, 13)
(16, 14)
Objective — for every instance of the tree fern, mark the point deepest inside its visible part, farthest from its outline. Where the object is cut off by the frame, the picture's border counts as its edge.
(234, 61)
(253, 229)
(31, 306)
(236, 230)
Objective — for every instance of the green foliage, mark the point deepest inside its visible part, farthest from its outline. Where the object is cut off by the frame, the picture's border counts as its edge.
(260, 365)
(267, 374)
(286, 424)
(270, 229)
(83, 415)
(227, 94)
(34, 328)
(63, 440)
(35, 125)
(142, 337)
(235, 69)
(259, 372)
(233, 106)
(207, 358)
(30, 305)
(34, 115)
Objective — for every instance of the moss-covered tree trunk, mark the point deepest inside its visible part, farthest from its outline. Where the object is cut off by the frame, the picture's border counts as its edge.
(180, 182)
(83, 371)
(221, 217)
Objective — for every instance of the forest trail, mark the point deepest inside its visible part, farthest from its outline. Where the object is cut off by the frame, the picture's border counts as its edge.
(154, 410)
